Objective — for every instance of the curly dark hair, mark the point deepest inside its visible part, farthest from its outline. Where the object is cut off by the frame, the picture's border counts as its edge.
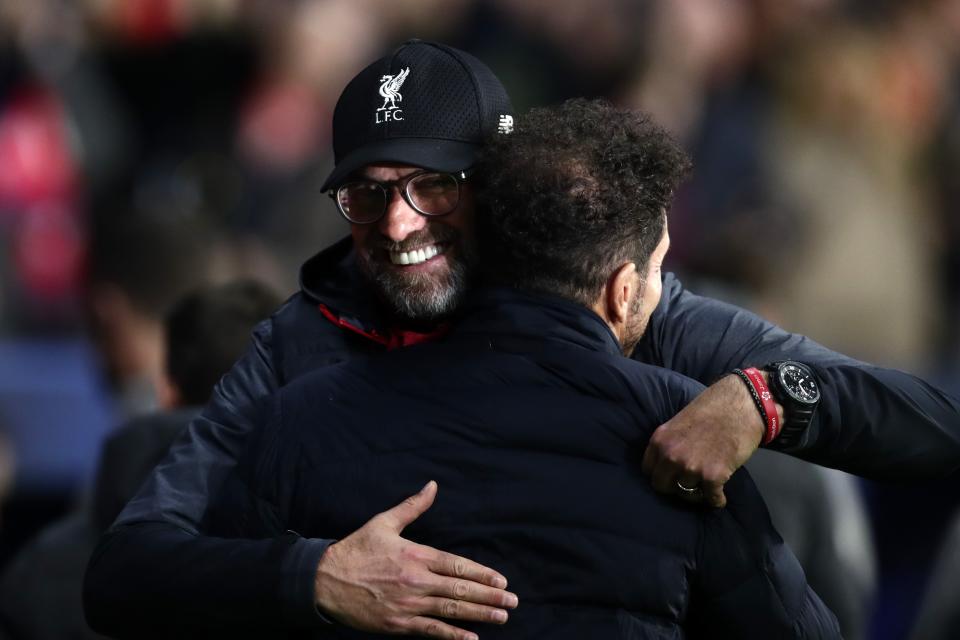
(573, 193)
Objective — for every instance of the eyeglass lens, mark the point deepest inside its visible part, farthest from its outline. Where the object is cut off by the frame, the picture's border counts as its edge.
(430, 193)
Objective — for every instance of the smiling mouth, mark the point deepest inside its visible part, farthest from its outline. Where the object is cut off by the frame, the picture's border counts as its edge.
(417, 256)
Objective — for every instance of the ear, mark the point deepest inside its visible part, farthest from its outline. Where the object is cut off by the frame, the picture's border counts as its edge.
(619, 292)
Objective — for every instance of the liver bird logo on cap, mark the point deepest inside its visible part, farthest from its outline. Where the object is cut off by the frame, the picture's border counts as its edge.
(390, 89)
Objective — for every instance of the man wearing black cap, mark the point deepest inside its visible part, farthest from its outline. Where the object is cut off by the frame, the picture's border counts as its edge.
(407, 129)
(415, 249)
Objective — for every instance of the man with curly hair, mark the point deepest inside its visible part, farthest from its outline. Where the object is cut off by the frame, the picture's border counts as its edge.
(403, 180)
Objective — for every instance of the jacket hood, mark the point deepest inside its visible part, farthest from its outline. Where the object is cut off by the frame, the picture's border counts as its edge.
(330, 279)
(330, 274)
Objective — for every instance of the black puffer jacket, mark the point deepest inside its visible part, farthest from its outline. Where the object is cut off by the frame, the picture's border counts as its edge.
(532, 423)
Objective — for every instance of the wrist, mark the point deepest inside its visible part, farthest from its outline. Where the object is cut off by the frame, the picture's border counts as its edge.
(769, 411)
(740, 395)
(298, 586)
(322, 581)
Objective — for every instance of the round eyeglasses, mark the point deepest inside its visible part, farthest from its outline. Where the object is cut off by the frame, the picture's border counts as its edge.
(429, 193)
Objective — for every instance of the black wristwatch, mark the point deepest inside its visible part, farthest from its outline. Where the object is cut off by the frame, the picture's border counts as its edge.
(795, 387)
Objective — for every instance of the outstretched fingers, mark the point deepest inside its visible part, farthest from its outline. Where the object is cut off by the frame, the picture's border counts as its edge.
(448, 564)
(454, 609)
(433, 628)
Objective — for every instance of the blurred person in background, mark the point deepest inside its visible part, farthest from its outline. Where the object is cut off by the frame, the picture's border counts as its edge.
(937, 22)
(141, 263)
(855, 115)
(369, 294)
(716, 93)
(939, 616)
(8, 467)
(206, 331)
(823, 519)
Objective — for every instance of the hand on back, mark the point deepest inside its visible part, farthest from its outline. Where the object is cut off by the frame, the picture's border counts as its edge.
(375, 580)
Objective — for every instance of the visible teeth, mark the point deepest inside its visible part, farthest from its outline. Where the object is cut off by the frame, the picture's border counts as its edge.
(415, 256)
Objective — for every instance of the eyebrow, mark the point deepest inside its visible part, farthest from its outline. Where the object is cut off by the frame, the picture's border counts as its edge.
(361, 175)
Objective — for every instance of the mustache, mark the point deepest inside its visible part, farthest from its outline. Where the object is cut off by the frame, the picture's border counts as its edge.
(416, 239)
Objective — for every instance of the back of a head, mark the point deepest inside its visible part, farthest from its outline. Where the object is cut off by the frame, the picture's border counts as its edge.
(208, 330)
(573, 193)
(152, 258)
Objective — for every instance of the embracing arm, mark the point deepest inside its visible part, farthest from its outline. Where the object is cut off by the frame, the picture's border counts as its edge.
(872, 421)
(154, 577)
(159, 561)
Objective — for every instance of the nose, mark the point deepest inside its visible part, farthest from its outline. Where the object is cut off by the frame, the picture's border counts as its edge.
(400, 219)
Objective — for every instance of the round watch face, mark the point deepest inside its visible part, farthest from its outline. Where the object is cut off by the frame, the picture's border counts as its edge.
(799, 383)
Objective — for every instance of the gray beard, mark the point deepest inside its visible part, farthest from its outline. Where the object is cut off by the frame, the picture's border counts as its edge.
(420, 297)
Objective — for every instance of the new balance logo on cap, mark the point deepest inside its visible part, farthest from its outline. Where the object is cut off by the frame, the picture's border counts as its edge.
(390, 90)
(505, 125)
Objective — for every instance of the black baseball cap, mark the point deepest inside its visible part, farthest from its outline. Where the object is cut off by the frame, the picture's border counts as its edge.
(426, 104)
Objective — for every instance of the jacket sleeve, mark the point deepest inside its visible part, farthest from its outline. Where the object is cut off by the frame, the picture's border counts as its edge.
(166, 558)
(749, 584)
(872, 421)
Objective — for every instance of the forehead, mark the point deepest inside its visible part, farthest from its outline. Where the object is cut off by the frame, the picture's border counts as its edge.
(386, 171)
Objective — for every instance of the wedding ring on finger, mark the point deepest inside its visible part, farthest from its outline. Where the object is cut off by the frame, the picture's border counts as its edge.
(688, 490)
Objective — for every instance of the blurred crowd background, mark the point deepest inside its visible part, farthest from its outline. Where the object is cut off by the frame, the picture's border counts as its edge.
(151, 146)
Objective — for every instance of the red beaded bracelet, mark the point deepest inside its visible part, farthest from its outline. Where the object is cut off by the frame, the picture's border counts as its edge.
(764, 401)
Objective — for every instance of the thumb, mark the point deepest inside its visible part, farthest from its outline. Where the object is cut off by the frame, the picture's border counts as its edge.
(651, 454)
(714, 496)
(400, 516)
